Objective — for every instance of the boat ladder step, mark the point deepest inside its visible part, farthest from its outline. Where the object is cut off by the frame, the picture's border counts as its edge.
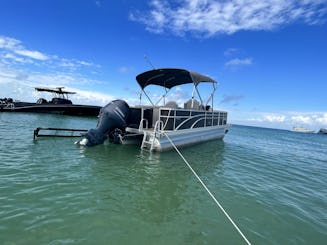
(148, 141)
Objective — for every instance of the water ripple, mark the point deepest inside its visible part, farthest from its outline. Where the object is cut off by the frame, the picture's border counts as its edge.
(272, 183)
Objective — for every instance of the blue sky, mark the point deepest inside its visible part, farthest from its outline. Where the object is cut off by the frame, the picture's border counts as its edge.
(269, 57)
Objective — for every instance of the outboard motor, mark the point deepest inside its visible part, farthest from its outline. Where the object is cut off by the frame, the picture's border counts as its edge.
(112, 116)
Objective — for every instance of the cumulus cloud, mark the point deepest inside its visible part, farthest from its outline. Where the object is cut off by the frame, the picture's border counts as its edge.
(322, 119)
(286, 119)
(20, 85)
(88, 97)
(269, 117)
(12, 45)
(179, 95)
(31, 54)
(274, 118)
(12, 52)
(302, 119)
(212, 17)
(237, 62)
(21, 69)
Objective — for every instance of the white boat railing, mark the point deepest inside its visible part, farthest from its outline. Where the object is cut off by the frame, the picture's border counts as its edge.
(173, 121)
(159, 126)
(141, 124)
(149, 138)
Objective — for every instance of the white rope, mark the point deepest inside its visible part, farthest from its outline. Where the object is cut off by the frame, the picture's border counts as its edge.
(209, 192)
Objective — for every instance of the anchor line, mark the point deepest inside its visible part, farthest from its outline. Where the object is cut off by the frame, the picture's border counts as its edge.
(207, 189)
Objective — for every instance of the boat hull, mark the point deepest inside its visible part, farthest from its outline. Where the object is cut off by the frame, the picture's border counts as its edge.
(322, 131)
(74, 110)
(186, 137)
(302, 130)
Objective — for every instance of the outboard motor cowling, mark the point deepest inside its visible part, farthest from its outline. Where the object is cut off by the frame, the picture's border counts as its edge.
(112, 116)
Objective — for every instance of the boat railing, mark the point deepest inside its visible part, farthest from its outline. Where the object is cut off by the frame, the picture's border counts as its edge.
(149, 138)
(11, 106)
(197, 121)
(169, 111)
(144, 120)
(159, 126)
(189, 119)
(177, 119)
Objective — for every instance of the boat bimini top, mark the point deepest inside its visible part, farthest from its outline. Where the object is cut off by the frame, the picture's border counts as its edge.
(171, 77)
(168, 78)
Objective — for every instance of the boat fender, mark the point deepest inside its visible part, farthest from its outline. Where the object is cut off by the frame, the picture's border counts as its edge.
(112, 116)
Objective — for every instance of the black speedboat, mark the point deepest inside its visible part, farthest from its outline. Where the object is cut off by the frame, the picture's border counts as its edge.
(322, 131)
(59, 104)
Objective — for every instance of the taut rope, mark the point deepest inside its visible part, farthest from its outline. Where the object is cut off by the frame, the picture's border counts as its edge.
(209, 192)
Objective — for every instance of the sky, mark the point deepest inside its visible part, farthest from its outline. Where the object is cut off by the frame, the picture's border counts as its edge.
(269, 57)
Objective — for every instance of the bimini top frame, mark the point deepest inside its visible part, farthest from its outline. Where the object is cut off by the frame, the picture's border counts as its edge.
(171, 77)
(57, 92)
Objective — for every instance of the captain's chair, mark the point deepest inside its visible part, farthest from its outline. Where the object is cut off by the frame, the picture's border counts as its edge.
(171, 104)
(189, 105)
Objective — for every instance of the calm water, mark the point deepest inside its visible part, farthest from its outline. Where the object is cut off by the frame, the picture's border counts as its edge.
(273, 183)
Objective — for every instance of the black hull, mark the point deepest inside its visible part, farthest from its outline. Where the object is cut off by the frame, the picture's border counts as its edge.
(322, 131)
(74, 110)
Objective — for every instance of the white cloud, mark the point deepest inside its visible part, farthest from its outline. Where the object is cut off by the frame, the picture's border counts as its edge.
(322, 119)
(31, 54)
(238, 62)
(12, 45)
(20, 85)
(179, 95)
(302, 119)
(8, 43)
(21, 70)
(282, 119)
(84, 63)
(231, 51)
(271, 118)
(13, 52)
(15, 58)
(275, 118)
(211, 17)
(87, 97)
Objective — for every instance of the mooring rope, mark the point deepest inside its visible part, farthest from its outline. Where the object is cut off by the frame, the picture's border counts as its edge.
(209, 192)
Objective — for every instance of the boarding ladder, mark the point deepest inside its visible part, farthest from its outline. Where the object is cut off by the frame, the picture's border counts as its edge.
(150, 136)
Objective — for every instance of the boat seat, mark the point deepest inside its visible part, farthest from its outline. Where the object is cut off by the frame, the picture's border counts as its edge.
(41, 101)
(190, 105)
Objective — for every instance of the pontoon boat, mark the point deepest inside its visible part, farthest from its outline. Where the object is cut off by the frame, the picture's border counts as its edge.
(154, 127)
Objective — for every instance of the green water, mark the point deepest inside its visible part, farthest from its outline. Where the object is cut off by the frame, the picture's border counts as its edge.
(271, 182)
